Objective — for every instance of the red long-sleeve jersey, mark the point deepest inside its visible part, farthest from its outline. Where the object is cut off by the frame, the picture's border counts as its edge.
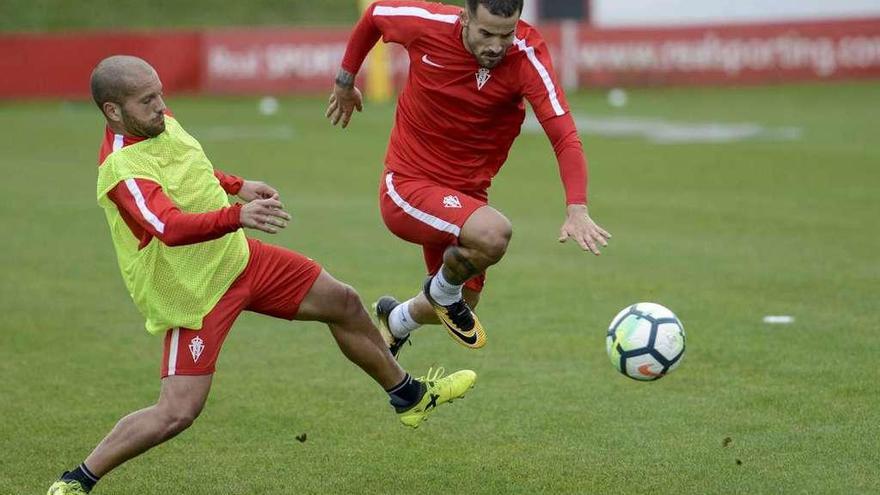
(455, 121)
(149, 212)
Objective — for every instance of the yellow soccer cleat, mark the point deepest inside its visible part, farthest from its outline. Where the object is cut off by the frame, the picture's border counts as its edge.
(438, 390)
(461, 323)
(66, 487)
(382, 310)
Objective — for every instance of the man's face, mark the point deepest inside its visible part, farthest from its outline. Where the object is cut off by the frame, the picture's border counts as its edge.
(488, 36)
(142, 112)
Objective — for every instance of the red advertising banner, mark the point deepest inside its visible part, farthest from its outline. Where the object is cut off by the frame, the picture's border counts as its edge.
(60, 65)
(286, 60)
(279, 61)
(748, 53)
(282, 60)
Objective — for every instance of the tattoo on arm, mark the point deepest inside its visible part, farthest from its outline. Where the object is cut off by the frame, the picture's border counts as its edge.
(344, 79)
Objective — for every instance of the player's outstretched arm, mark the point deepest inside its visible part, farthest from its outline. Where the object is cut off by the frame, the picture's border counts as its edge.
(267, 215)
(345, 99)
(580, 227)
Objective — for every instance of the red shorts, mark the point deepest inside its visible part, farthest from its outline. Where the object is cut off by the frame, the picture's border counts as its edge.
(425, 213)
(274, 283)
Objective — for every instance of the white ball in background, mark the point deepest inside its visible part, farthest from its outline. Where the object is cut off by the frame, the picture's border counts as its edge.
(268, 105)
(617, 98)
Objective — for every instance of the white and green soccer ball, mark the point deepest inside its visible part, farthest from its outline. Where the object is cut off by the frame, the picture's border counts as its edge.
(645, 341)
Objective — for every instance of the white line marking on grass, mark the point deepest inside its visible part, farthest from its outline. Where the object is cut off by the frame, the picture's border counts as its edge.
(244, 133)
(778, 319)
(662, 131)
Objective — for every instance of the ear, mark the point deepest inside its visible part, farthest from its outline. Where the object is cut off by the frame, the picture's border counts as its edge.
(464, 17)
(112, 111)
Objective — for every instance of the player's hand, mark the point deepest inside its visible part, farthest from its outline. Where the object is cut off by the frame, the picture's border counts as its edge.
(267, 215)
(580, 227)
(343, 103)
(252, 189)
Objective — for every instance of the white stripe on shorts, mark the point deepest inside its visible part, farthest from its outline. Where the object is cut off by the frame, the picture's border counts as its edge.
(437, 223)
(172, 352)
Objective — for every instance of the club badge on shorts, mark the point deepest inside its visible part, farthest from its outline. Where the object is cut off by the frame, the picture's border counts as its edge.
(196, 346)
(451, 202)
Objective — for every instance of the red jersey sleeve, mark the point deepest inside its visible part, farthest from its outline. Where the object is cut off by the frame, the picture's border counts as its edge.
(362, 40)
(540, 84)
(570, 156)
(394, 21)
(149, 213)
(230, 183)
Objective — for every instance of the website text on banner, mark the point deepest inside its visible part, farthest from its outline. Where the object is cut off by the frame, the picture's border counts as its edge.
(738, 54)
(256, 61)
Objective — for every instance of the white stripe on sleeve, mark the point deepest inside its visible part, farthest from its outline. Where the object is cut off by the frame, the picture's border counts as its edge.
(414, 12)
(117, 142)
(149, 216)
(542, 71)
(424, 217)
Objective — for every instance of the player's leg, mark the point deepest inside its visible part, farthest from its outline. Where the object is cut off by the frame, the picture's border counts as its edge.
(402, 318)
(286, 284)
(188, 364)
(397, 320)
(451, 294)
(473, 237)
(339, 306)
(472, 296)
(291, 286)
(482, 243)
(181, 399)
(420, 311)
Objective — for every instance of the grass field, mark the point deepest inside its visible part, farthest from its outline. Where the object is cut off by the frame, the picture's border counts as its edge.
(723, 234)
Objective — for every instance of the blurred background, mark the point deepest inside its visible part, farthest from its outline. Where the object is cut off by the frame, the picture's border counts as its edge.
(216, 47)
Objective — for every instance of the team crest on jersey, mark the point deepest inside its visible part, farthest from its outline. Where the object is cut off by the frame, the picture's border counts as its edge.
(451, 202)
(196, 346)
(482, 77)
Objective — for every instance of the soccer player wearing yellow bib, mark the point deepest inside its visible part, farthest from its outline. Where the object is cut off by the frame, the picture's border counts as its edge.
(191, 271)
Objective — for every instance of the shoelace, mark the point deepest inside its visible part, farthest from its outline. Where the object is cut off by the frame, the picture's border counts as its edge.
(460, 314)
(72, 485)
(433, 374)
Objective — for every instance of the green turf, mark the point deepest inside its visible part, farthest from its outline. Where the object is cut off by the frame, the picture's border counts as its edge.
(64, 15)
(721, 233)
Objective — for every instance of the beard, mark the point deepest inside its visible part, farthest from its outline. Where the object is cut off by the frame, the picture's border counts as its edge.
(145, 129)
(484, 58)
(490, 63)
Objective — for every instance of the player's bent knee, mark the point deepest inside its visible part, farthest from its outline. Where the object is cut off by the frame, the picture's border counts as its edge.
(349, 303)
(175, 421)
(495, 241)
(330, 301)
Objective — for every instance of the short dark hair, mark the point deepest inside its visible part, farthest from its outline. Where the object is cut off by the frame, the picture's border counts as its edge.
(110, 80)
(106, 89)
(504, 8)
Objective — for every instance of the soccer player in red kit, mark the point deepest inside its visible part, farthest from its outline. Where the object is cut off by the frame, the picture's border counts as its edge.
(457, 117)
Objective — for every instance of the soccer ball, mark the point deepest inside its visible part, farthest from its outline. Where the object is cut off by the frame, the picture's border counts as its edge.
(645, 341)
